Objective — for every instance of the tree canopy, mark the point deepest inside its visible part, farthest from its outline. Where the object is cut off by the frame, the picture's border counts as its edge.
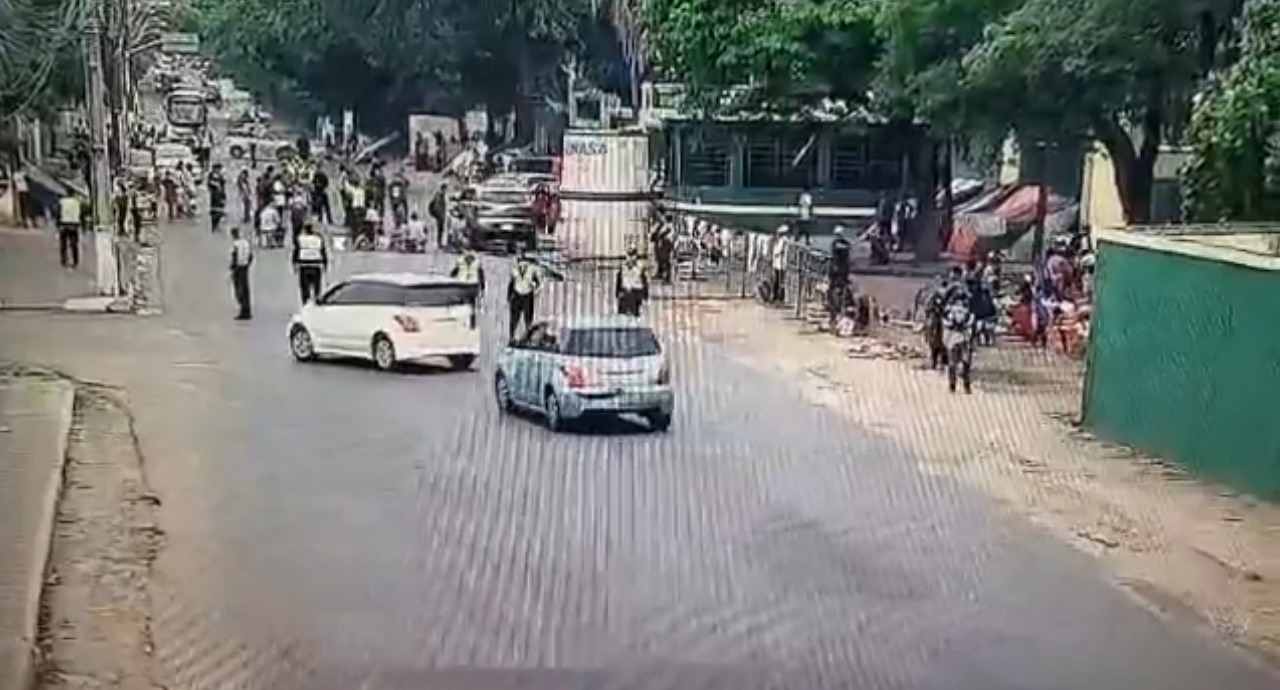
(1120, 72)
(1235, 132)
(393, 57)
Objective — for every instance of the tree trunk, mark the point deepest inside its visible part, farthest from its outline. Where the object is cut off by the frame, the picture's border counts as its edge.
(924, 184)
(1134, 166)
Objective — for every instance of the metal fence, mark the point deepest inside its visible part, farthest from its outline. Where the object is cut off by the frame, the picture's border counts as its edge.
(714, 261)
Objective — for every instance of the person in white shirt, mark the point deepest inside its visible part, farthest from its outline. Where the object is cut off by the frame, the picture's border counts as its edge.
(631, 284)
(270, 229)
(804, 220)
(26, 203)
(415, 233)
(241, 260)
(310, 259)
(781, 247)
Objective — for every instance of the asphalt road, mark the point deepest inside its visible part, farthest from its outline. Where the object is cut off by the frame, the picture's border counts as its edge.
(334, 527)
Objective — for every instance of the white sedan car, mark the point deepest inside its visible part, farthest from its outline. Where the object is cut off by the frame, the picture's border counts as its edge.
(585, 367)
(390, 319)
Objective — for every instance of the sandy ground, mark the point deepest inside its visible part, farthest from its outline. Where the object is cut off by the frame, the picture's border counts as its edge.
(1179, 545)
(96, 622)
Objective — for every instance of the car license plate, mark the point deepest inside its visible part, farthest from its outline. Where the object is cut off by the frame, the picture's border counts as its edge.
(508, 226)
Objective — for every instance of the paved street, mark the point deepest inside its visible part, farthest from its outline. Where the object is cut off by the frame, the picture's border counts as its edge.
(329, 526)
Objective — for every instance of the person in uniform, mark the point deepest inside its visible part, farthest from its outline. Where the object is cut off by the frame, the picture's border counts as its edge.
(241, 260)
(522, 291)
(631, 284)
(310, 259)
(70, 217)
(468, 268)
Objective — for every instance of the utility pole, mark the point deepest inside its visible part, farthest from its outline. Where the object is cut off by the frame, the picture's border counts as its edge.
(107, 274)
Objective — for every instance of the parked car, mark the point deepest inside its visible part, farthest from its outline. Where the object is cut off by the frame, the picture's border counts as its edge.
(533, 165)
(498, 213)
(390, 319)
(241, 137)
(584, 367)
(167, 155)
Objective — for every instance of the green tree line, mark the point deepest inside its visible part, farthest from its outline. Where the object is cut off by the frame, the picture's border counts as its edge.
(1130, 75)
(393, 57)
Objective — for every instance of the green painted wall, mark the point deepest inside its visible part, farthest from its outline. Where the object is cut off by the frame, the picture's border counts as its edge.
(1185, 364)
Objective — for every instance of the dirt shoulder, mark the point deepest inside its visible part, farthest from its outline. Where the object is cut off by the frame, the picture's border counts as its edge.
(1180, 545)
(95, 618)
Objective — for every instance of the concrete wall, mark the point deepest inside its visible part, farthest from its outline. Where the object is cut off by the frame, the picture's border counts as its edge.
(1184, 357)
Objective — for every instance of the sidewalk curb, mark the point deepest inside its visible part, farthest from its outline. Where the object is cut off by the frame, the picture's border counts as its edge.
(76, 305)
(27, 665)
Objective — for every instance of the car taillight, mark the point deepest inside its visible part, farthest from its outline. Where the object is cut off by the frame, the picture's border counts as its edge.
(575, 376)
(407, 323)
(664, 375)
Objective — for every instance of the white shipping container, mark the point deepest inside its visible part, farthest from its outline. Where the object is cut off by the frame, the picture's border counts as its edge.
(605, 164)
(602, 229)
(605, 193)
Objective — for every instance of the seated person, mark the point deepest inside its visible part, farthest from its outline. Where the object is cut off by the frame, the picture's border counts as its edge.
(416, 229)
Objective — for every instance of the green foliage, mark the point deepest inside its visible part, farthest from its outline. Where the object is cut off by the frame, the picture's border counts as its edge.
(1234, 173)
(791, 54)
(38, 49)
(386, 59)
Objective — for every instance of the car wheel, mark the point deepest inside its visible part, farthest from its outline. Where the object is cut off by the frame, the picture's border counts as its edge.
(301, 345)
(502, 393)
(384, 353)
(237, 152)
(461, 362)
(551, 409)
(659, 421)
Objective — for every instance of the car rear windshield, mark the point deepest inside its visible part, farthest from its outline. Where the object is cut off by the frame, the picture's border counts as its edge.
(611, 342)
(544, 166)
(437, 296)
(385, 294)
(503, 196)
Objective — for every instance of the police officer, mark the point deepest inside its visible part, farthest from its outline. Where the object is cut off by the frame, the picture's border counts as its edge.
(631, 284)
(241, 260)
(70, 217)
(522, 290)
(468, 268)
(310, 259)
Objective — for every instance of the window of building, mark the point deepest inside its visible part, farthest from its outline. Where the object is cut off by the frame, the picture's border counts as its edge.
(705, 158)
(868, 161)
(780, 160)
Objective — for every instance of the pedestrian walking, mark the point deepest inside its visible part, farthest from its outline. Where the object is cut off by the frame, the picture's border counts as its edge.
(217, 185)
(439, 213)
(70, 218)
(663, 243)
(244, 188)
(631, 284)
(310, 260)
(320, 197)
(28, 208)
(522, 293)
(241, 261)
(779, 252)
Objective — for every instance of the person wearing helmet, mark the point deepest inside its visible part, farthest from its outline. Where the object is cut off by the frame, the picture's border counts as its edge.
(839, 290)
